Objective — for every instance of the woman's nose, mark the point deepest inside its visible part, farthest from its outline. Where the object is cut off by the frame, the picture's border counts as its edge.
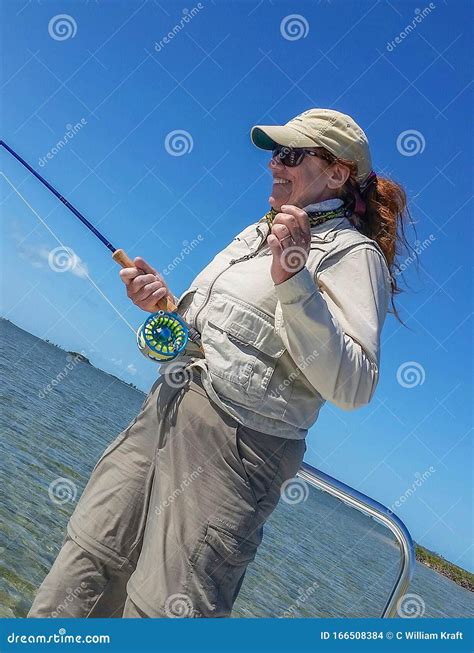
(275, 163)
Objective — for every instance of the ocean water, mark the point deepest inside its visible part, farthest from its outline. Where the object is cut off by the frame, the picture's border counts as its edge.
(319, 557)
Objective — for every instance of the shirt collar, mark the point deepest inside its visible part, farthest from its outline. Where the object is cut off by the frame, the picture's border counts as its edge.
(325, 205)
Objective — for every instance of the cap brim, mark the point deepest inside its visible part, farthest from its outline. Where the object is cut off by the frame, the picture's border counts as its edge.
(266, 137)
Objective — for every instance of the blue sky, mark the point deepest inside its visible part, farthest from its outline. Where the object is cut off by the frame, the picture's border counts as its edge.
(400, 69)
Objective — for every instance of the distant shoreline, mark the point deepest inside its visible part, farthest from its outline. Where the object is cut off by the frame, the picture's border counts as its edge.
(77, 356)
(436, 562)
(424, 556)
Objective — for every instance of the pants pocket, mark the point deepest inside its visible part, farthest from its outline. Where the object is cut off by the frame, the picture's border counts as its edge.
(218, 566)
(260, 457)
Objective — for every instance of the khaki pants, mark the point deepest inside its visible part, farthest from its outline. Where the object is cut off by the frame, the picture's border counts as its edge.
(172, 514)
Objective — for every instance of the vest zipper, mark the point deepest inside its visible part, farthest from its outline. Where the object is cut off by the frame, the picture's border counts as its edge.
(243, 258)
(246, 257)
(231, 262)
(208, 294)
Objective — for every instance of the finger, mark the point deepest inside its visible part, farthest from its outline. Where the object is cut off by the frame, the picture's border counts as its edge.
(148, 290)
(128, 274)
(158, 294)
(300, 216)
(292, 225)
(142, 280)
(295, 211)
(274, 245)
(289, 220)
(282, 232)
(144, 266)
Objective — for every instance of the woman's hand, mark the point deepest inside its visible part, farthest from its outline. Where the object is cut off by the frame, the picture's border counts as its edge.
(145, 286)
(289, 242)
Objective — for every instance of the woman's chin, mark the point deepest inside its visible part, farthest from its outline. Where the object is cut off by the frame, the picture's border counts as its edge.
(276, 200)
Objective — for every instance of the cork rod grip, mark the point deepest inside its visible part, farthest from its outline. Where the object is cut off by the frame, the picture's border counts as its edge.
(122, 258)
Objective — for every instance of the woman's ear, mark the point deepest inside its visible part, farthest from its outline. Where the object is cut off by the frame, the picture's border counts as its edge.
(338, 174)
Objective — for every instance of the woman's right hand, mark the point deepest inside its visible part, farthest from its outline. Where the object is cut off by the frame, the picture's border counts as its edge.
(145, 287)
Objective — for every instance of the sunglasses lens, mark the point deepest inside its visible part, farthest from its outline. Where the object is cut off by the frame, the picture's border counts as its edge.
(288, 156)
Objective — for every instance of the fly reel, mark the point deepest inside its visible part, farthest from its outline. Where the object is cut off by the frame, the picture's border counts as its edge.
(163, 336)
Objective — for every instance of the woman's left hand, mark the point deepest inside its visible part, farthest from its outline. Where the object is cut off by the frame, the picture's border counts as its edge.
(289, 242)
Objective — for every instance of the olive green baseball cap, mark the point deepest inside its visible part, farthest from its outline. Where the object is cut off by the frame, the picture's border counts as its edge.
(335, 131)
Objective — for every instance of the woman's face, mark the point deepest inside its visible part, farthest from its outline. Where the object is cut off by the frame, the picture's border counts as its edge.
(313, 180)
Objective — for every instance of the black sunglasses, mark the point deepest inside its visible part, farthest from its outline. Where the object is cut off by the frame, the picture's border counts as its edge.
(291, 156)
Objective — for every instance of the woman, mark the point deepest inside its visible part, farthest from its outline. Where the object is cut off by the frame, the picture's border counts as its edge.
(290, 315)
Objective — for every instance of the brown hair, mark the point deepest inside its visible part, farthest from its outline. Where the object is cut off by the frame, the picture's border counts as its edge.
(386, 213)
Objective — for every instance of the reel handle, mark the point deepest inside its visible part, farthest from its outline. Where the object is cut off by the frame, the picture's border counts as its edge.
(123, 259)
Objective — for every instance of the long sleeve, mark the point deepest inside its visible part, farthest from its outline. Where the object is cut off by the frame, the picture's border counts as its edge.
(332, 328)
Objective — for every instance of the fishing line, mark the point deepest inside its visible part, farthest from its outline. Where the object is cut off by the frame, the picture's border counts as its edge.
(58, 240)
(164, 335)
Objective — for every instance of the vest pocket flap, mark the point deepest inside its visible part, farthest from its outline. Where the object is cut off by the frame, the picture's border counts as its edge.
(245, 323)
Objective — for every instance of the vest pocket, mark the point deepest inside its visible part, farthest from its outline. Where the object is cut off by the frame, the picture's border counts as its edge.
(227, 357)
(242, 349)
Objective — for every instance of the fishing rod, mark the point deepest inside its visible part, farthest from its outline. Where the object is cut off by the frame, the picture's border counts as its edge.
(164, 334)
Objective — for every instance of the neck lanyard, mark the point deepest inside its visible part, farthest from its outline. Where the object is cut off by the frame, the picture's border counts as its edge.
(315, 217)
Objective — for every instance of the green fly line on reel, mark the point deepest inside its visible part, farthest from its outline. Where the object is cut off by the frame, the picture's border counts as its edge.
(163, 336)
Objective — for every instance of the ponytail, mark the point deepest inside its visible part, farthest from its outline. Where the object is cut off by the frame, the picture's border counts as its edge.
(383, 216)
(379, 211)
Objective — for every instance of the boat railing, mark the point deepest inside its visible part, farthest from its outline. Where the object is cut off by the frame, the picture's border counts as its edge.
(379, 512)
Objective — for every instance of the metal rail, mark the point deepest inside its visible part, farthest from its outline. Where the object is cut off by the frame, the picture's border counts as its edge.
(375, 510)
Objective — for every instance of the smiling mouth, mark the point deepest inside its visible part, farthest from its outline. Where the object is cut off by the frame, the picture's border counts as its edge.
(279, 180)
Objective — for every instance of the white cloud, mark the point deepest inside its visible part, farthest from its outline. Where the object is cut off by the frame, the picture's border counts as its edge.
(38, 256)
(80, 269)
